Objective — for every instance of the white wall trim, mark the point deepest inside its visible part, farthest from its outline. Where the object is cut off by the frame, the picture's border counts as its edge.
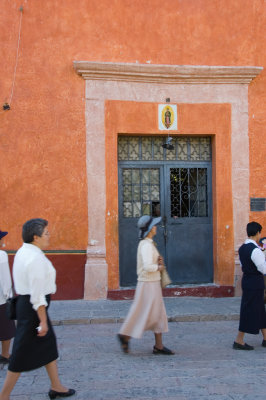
(171, 74)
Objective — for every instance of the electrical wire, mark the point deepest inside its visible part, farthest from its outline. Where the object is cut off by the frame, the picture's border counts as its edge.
(6, 105)
(16, 64)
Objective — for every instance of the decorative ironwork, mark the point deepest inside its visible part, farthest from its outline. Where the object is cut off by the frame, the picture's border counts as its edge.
(188, 191)
(141, 191)
(131, 148)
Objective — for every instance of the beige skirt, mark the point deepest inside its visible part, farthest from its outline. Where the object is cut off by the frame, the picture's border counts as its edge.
(147, 312)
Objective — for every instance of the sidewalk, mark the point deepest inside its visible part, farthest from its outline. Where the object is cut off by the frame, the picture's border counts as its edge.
(182, 309)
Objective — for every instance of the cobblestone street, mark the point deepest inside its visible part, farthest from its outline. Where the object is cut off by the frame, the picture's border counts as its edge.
(204, 366)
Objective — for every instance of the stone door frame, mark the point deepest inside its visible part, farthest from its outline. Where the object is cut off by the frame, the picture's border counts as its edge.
(154, 83)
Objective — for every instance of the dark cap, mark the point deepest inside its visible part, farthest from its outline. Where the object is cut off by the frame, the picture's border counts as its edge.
(2, 234)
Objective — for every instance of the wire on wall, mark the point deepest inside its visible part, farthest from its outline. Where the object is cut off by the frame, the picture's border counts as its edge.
(7, 106)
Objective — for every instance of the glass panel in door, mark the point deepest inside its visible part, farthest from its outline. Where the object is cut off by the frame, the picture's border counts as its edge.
(139, 194)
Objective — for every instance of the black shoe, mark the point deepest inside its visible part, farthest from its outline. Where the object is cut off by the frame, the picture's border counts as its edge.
(53, 393)
(238, 346)
(124, 343)
(164, 350)
(263, 343)
(4, 360)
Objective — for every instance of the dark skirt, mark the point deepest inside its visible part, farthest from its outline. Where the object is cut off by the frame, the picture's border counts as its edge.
(29, 350)
(252, 312)
(7, 327)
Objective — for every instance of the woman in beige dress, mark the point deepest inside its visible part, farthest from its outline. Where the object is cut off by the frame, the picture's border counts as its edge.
(147, 311)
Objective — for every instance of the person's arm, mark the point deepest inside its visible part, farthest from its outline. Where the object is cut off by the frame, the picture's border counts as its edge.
(37, 281)
(5, 280)
(258, 258)
(43, 327)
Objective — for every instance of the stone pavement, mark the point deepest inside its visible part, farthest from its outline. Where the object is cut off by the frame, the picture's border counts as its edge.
(204, 367)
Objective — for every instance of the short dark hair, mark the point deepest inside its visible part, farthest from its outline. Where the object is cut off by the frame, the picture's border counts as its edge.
(33, 227)
(253, 228)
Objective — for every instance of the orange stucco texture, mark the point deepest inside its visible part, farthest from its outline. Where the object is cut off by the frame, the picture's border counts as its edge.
(42, 137)
(194, 119)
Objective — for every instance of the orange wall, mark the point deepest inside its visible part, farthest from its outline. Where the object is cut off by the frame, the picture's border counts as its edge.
(42, 137)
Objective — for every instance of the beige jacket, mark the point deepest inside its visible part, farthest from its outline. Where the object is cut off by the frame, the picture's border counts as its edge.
(147, 261)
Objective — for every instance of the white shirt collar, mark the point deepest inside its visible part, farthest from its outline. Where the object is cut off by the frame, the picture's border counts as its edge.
(32, 247)
(251, 241)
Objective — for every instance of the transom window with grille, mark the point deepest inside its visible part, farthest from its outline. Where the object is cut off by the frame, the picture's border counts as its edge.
(143, 148)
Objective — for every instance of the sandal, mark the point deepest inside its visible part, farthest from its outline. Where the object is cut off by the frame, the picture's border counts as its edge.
(123, 342)
(164, 350)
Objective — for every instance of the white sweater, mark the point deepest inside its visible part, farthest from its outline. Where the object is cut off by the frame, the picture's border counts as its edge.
(147, 261)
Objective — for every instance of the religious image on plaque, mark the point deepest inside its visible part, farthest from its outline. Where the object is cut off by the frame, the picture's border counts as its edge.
(167, 116)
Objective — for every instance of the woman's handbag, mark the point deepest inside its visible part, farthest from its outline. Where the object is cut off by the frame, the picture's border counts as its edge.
(165, 278)
(11, 304)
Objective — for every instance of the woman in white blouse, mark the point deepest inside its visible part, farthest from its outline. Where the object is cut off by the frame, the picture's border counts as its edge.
(7, 327)
(147, 311)
(35, 343)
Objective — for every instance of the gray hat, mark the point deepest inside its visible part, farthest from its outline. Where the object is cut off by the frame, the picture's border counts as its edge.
(145, 224)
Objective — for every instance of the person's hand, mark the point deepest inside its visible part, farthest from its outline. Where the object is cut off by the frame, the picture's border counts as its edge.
(160, 260)
(161, 265)
(42, 329)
